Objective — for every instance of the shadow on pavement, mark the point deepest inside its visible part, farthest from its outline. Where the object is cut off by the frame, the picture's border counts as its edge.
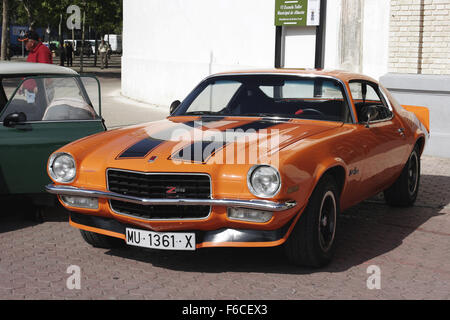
(18, 212)
(366, 231)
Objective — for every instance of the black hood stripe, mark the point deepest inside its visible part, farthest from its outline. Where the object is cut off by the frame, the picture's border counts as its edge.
(142, 148)
(202, 151)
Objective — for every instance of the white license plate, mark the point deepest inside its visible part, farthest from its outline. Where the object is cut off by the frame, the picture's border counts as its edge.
(160, 240)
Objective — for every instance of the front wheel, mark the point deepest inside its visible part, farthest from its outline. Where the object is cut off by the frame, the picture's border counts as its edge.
(405, 189)
(312, 242)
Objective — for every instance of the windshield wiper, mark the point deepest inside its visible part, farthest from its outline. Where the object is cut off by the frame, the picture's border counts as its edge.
(199, 113)
(262, 114)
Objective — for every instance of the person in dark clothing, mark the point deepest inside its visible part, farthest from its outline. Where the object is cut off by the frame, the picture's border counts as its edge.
(69, 54)
(62, 54)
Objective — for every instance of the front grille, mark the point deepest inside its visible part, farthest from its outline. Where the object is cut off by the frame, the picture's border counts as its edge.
(161, 186)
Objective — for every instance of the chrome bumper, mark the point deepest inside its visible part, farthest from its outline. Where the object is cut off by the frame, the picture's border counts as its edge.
(251, 204)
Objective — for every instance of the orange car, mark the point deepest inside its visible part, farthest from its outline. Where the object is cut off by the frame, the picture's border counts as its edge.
(249, 159)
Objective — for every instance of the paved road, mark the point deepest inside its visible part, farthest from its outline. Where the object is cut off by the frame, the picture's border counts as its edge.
(409, 246)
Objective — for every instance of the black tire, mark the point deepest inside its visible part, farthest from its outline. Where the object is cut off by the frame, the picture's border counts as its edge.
(403, 193)
(101, 241)
(312, 241)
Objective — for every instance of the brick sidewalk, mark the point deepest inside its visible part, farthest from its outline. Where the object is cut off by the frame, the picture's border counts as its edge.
(409, 245)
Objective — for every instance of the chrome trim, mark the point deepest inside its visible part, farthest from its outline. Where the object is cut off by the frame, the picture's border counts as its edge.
(252, 204)
(160, 173)
(383, 96)
(60, 121)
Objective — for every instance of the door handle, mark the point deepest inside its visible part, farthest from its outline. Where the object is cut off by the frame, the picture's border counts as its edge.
(401, 131)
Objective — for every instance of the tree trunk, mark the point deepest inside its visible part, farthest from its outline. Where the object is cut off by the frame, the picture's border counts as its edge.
(27, 7)
(96, 47)
(5, 35)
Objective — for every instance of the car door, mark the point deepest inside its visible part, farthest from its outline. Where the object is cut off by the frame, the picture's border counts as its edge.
(43, 114)
(383, 140)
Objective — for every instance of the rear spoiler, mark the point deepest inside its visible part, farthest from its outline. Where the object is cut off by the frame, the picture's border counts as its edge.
(422, 113)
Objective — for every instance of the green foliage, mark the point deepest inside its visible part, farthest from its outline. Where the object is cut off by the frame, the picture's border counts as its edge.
(102, 16)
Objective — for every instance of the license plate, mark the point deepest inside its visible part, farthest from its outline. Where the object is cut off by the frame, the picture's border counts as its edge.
(160, 240)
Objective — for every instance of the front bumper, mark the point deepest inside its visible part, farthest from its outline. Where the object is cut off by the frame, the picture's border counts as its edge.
(224, 237)
(250, 204)
(218, 232)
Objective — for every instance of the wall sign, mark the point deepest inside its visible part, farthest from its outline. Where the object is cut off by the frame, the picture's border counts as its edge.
(297, 12)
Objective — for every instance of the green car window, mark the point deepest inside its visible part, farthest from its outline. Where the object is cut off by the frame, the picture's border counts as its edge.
(55, 99)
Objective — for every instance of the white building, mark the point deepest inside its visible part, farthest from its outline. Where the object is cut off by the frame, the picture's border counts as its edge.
(171, 45)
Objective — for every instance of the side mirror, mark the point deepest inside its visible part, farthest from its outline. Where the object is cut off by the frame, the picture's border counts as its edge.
(370, 113)
(14, 118)
(174, 105)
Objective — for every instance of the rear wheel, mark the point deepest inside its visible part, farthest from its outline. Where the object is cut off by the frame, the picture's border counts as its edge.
(312, 242)
(101, 241)
(405, 189)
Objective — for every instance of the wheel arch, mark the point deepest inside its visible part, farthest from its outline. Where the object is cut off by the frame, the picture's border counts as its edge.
(420, 142)
(339, 174)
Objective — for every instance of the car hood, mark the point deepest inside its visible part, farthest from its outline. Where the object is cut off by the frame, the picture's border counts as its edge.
(199, 140)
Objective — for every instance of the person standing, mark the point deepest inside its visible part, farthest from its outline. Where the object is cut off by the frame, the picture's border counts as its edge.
(103, 51)
(62, 54)
(69, 54)
(37, 51)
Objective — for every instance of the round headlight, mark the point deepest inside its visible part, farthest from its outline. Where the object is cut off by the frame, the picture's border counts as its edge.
(62, 168)
(264, 181)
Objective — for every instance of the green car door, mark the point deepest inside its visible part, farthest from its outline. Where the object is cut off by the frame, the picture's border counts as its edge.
(43, 114)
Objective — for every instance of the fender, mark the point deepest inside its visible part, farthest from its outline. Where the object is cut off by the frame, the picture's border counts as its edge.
(327, 166)
(422, 113)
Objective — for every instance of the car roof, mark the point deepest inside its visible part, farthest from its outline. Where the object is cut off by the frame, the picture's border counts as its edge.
(339, 74)
(10, 68)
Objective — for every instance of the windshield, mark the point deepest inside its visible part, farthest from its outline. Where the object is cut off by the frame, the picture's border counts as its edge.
(268, 96)
(55, 98)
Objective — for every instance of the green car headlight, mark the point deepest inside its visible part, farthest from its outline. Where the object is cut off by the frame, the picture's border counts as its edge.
(263, 181)
(62, 167)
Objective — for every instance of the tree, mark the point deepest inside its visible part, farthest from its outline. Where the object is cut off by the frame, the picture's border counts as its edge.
(5, 35)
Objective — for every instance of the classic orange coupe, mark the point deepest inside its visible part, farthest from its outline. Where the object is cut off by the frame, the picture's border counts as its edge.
(248, 159)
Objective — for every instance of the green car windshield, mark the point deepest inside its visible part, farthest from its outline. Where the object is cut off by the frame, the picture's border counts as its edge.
(55, 98)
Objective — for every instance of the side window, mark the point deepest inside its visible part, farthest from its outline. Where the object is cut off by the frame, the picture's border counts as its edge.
(366, 94)
(10, 85)
(51, 99)
(28, 98)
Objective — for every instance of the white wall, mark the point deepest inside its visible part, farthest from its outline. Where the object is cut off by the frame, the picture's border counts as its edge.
(169, 46)
(376, 37)
(299, 47)
(332, 32)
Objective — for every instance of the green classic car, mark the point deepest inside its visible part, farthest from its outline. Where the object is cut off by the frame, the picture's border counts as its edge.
(42, 107)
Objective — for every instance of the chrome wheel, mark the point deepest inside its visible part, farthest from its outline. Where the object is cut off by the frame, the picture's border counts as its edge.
(327, 221)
